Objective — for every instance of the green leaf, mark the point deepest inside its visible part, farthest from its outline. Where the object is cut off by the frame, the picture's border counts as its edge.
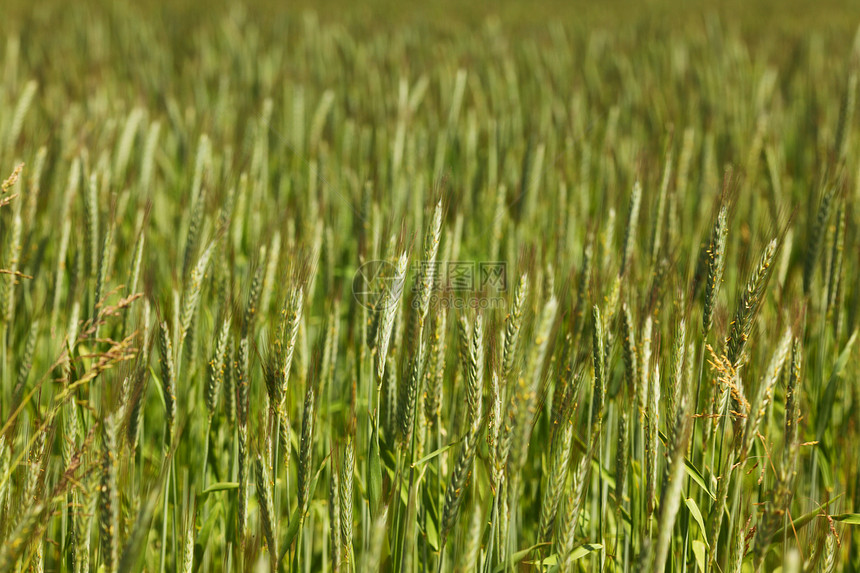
(550, 561)
(313, 486)
(432, 455)
(577, 553)
(202, 540)
(292, 532)
(83, 352)
(387, 454)
(431, 518)
(804, 519)
(825, 406)
(519, 556)
(697, 515)
(697, 477)
(825, 470)
(699, 552)
(848, 518)
(584, 550)
(431, 530)
(136, 543)
(220, 486)
(604, 474)
(374, 470)
(296, 519)
(158, 389)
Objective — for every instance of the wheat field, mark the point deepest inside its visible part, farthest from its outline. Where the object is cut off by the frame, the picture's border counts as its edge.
(286, 291)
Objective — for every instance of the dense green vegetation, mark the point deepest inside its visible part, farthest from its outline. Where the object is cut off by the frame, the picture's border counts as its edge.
(306, 293)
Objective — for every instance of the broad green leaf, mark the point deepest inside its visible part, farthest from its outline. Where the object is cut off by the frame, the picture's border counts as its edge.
(584, 550)
(804, 519)
(519, 556)
(211, 520)
(85, 354)
(432, 455)
(825, 470)
(577, 553)
(296, 518)
(431, 517)
(374, 470)
(136, 544)
(202, 540)
(134, 550)
(699, 553)
(220, 486)
(404, 492)
(848, 518)
(431, 530)
(158, 389)
(698, 478)
(313, 487)
(604, 474)
(548, 562)
(825, 406)
(387, 454)
(697, 515)
(292, 532)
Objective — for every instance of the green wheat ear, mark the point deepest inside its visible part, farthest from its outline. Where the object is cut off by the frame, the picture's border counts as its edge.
(475, 373)
(109, 503)
(716, 261)
(188, 551)
(334, 519)
(457, 483)
(435, 371)
(217, 367)
(556, 478)
(630, 229)
(630, 352)
(305, 460)
(267, 511)
(408, 402)
(749, 305)
(816, 237)
(513, 324)
(177, 259)
(346, 501)
(168, 380)
(388, 313)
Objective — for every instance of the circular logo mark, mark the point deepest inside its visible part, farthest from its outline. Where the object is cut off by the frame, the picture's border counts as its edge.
(371, 283)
